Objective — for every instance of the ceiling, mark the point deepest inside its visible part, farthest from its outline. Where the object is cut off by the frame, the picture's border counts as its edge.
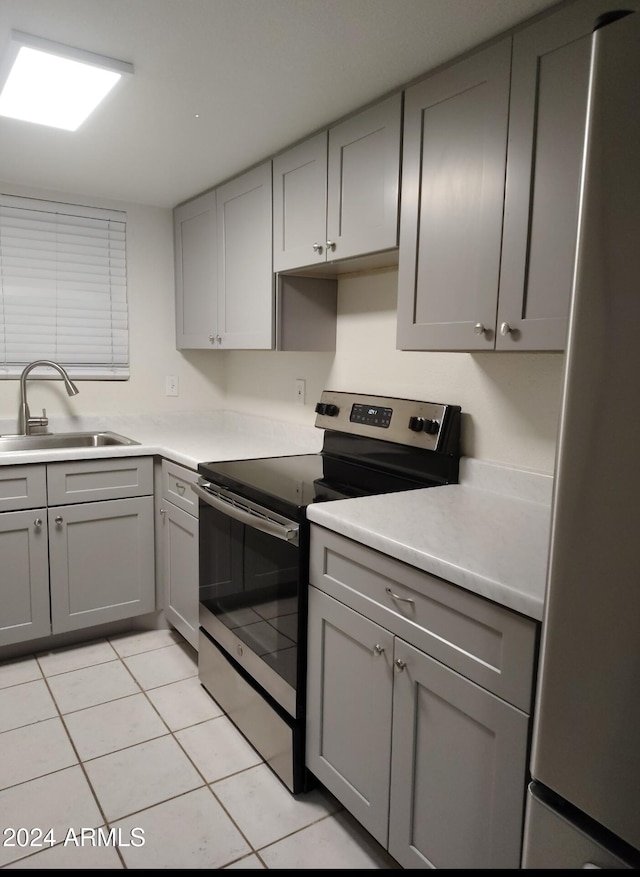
(220, 85)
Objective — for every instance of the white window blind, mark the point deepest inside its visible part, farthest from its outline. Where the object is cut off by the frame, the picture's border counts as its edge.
(63, 288)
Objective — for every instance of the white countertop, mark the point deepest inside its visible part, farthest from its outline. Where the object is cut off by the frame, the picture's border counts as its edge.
(488, 534)
(188, 438)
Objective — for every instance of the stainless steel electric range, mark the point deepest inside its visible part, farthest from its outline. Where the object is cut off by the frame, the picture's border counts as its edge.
(254, 554)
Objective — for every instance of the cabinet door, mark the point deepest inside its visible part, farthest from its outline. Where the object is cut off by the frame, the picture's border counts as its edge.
(454, 155)
(245, 272)
(300, 204)
(458, 772)
(549, 89)
(180, 570)
(101, 562)
(349, 699)
(363, 181)
(24, 596)
(196, 245)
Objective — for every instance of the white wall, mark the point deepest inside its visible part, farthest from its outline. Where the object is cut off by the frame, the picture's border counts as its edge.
(510, 401)
(150, 283)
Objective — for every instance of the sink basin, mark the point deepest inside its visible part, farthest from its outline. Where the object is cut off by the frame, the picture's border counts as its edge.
(62, 440)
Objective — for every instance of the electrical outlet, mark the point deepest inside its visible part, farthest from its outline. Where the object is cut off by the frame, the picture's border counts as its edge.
(300, 391)
(171, 385)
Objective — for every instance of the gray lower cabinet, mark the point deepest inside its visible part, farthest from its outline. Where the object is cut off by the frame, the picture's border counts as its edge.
(418, 707)
(24, 608)
(336, 195)
(179, 540)
(71, 564)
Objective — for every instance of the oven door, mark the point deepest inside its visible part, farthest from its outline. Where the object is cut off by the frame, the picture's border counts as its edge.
(251, 579)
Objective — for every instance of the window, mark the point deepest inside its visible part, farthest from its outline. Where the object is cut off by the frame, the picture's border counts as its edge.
(63, 288)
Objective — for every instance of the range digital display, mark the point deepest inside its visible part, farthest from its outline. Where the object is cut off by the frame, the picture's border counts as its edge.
(373, 415)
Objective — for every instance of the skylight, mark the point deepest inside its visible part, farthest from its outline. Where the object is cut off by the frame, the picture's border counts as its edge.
(52, 84)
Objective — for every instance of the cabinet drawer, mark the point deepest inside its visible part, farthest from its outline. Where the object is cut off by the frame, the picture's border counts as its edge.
(487, 643)
(93, 480)
(177, 487)
(22, 487)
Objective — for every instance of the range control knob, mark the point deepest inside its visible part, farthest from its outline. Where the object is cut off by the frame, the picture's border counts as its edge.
(327, 408)
(423, 424)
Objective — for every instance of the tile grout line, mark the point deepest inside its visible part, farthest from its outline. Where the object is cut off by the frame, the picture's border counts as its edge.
(186, 754)
(253, 850)
(171, 733)
(80, 761)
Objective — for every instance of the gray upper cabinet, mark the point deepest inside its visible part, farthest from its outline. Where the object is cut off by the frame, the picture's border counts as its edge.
(549, 89)
(224, 275)
(485, 265)
(300, 204)
(245, 271)
(336, 194)
(454, 156)
(196, 243)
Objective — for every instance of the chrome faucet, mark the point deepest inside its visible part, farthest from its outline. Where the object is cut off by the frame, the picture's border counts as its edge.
(28, 425)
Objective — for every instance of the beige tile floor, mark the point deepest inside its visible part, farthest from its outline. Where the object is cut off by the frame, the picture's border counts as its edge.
(113, 756)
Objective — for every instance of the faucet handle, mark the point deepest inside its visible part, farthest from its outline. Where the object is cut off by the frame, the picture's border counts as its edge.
(38, 425)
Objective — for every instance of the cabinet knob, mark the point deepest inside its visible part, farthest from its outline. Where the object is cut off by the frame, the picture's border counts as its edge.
(37, 523)
(400, 665)
(59, 520)
(378, 649)
(479, 329)
(331, 245)
(163, 512)
(212, 339)
(505, 328)
(317, 248)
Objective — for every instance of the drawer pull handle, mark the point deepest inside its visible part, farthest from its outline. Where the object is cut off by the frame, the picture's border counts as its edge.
(400, 664)
(180, 488)
(378, 649)
(398, 597)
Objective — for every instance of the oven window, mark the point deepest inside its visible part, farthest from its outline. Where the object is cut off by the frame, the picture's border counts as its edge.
(249, 580)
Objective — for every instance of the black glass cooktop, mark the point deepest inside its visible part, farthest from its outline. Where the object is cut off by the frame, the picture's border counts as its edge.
(288, 484)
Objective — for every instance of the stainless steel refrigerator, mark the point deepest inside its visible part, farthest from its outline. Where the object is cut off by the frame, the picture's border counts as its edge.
(583, 807)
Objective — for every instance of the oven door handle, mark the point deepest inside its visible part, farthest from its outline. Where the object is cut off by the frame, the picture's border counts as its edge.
(251, 519)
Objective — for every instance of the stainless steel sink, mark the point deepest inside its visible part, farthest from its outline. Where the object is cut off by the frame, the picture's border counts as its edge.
(62, 440)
